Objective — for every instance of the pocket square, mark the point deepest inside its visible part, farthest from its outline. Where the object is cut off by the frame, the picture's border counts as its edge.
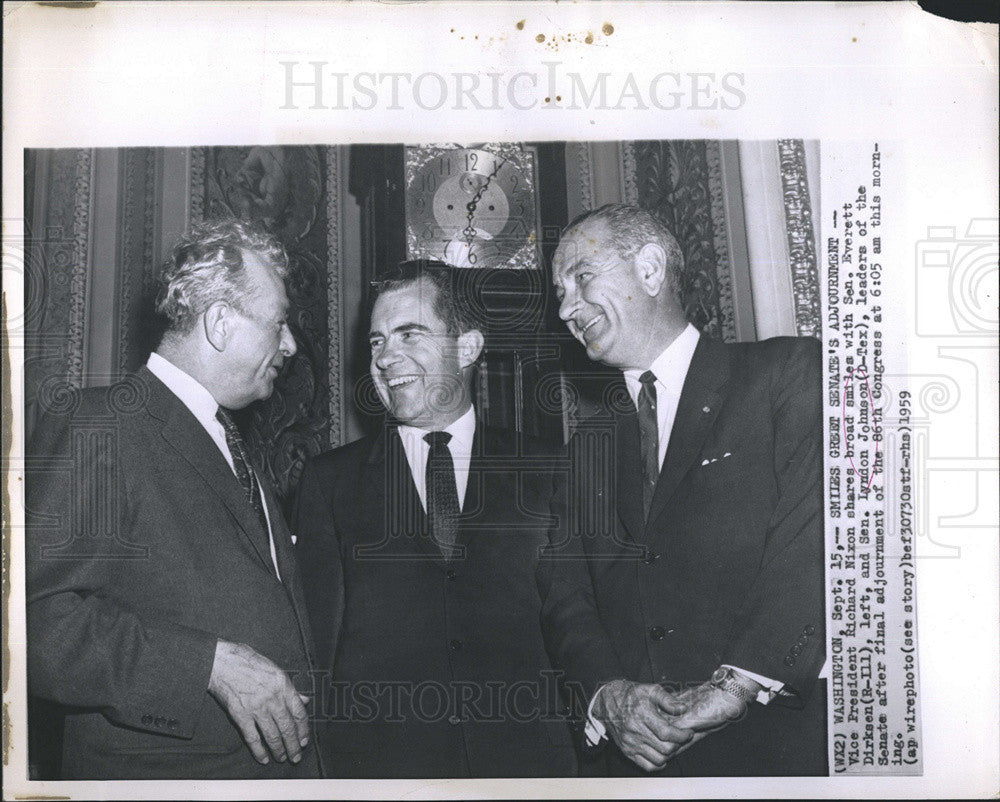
(716, 459)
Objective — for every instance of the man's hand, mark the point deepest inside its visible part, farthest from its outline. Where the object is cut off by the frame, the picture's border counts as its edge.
(258, 695)
(636, 718)
(707, 709)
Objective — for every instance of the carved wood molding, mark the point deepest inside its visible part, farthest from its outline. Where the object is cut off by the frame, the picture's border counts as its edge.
(83, 201)
(800, 236)
(720, 240)
(335, 317)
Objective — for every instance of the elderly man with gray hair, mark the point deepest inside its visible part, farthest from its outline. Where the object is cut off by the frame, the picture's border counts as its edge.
(163, 601)
(694, 618)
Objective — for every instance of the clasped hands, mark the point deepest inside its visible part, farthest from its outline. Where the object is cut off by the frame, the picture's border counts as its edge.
(651, 725)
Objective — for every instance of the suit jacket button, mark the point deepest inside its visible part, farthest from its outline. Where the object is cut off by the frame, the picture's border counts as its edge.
(656, 633)
(796, 650)
(455, 645)
(809, 630)
(650, 557)
(160, 722)
(454, 720)
(147, 719)
(172, 724)
(452, 574)
(789, 661)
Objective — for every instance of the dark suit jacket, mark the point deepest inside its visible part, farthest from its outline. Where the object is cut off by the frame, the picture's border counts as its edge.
(729, 566)
(458, 643)
(139, 557)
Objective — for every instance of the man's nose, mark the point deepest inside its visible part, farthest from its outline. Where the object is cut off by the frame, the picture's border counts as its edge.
(568, 306)
(287, 346)
(385, 356)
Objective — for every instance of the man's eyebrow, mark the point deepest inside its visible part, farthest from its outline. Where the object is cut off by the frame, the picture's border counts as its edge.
(405, 327)
(573, 267)
(402, 329)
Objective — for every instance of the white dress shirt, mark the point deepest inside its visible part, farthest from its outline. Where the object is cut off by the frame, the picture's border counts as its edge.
(417, 450)
(204, 406)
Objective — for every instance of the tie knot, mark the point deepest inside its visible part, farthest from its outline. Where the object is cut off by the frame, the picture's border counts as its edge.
(647, 379)
(437, 440)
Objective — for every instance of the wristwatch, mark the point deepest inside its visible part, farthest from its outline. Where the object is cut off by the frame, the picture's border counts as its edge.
(725, 679)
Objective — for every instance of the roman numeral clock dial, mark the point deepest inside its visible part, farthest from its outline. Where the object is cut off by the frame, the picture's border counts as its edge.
(470, 207)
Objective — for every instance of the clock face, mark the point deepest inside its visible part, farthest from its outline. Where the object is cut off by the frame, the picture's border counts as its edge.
(471, 208)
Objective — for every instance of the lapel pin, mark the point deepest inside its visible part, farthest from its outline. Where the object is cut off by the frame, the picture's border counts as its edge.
(706, 409)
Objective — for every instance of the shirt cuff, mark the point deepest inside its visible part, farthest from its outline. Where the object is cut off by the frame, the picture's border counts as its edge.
(771, 687)
(594, 728)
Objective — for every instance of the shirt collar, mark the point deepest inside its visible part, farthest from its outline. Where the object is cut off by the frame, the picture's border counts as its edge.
(462, 431)
(671, 366)
(188, 389)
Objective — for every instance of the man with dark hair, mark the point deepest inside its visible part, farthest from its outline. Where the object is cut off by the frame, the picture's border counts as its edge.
(163, 601)
(695, 623)
(419, 550)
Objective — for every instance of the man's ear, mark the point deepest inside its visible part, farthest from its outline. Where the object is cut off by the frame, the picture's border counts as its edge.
(218, 324)
(651, 265)
(470, 346)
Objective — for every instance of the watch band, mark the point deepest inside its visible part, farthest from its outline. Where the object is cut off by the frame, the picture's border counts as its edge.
(725, 679)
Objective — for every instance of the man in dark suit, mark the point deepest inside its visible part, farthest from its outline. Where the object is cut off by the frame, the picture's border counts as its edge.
(695, 619)
(426, 608)
(163, 602)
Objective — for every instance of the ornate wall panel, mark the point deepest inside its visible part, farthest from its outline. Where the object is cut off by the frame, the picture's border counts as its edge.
(286, 189)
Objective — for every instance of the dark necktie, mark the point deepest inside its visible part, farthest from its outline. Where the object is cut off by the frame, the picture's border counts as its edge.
(245, 474)
(442, 494)
(649, 439)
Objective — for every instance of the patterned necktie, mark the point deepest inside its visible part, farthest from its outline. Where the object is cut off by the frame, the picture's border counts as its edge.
(245, 474)
(442, 494)
(649, 439)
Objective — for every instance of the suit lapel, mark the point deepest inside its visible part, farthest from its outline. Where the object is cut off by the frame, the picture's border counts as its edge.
(280, 535)
(181, 429)
(478, 485)
(286, 561)
(393, 503)
(700, 401)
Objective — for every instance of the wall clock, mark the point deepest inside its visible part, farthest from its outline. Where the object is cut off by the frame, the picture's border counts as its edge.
(472, 206)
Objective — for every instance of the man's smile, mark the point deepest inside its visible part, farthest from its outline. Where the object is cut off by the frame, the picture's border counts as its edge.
(582, 329)
(399, 381)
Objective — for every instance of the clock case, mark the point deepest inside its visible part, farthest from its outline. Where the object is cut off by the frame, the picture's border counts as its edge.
(525, 340)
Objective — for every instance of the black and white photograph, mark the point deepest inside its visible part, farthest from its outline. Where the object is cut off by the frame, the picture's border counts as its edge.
(550, 424)
(621, 569)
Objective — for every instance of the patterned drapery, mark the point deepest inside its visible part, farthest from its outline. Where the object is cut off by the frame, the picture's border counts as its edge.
(679, 181)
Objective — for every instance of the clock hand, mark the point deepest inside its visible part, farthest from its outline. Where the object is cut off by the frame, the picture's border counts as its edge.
(470, 231)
